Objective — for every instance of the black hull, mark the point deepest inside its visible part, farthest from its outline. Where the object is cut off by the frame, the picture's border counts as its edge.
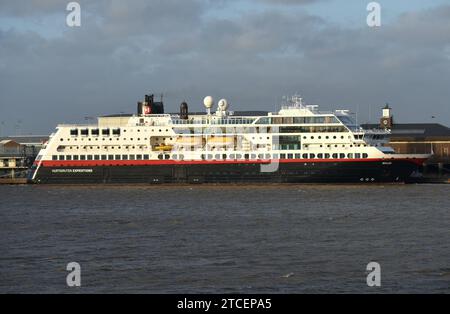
(299, 172)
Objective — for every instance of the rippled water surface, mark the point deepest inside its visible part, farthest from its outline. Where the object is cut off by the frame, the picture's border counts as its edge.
(225, 239)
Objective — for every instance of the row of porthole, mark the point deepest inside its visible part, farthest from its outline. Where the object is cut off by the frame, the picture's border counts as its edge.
(269, 156)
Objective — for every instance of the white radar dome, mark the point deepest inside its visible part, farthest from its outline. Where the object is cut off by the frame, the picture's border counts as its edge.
(208, 102)
(223, 104)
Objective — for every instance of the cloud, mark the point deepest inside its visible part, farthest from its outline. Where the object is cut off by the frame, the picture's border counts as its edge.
(252, 58)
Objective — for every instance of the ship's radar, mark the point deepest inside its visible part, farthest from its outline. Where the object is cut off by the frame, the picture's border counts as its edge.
(208, 102)
(223, 104)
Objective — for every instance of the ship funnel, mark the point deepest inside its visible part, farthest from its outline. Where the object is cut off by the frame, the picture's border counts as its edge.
(184, 112)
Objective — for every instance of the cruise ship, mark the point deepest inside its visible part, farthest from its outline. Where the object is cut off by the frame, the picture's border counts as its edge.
(297, 144)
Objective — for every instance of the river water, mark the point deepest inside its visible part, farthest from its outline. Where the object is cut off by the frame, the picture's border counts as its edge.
(225, 239)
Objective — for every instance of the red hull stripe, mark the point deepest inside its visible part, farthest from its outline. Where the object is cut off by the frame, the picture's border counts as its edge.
(94, 163)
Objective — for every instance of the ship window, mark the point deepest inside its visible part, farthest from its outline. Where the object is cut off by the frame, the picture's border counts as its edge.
(290, 156)
(312, 156)
(335, 155)
(61, 157)
(305, 156)
(117, 157)
(320, 156)
(104, 157)
(146, 157)
(132, 157)
(68, 157)
(327, 156)
(96, 157)
(74, 132)
(110, 157)
(217, 156)
(365, 155)
(124, 157)
(105, 132)
(341, 156)
(238, 156)
(84, 132)
(224, 156)
(82, 157)
(139, 157)
(350, 155)
(282, 156)
(54, 157)
(95, 132)
(268, 156)
(232, 156)
(297, 156)
(89, 157)
(116, 132)
(75, 157)
(357, 155)
(166, 157)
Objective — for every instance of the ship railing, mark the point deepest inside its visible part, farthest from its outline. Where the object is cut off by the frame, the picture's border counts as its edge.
(77, 125)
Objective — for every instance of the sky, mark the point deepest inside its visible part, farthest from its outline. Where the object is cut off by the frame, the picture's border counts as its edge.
(251, 52)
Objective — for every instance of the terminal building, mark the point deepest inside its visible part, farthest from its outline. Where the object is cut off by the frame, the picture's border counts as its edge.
(418, 138)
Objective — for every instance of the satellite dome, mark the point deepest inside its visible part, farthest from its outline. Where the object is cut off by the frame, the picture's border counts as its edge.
(223, 104)
(208, 102)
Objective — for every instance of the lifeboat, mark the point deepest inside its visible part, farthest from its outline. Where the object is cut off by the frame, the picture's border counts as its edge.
(163, 147)
(221, 140)
(189, 141)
